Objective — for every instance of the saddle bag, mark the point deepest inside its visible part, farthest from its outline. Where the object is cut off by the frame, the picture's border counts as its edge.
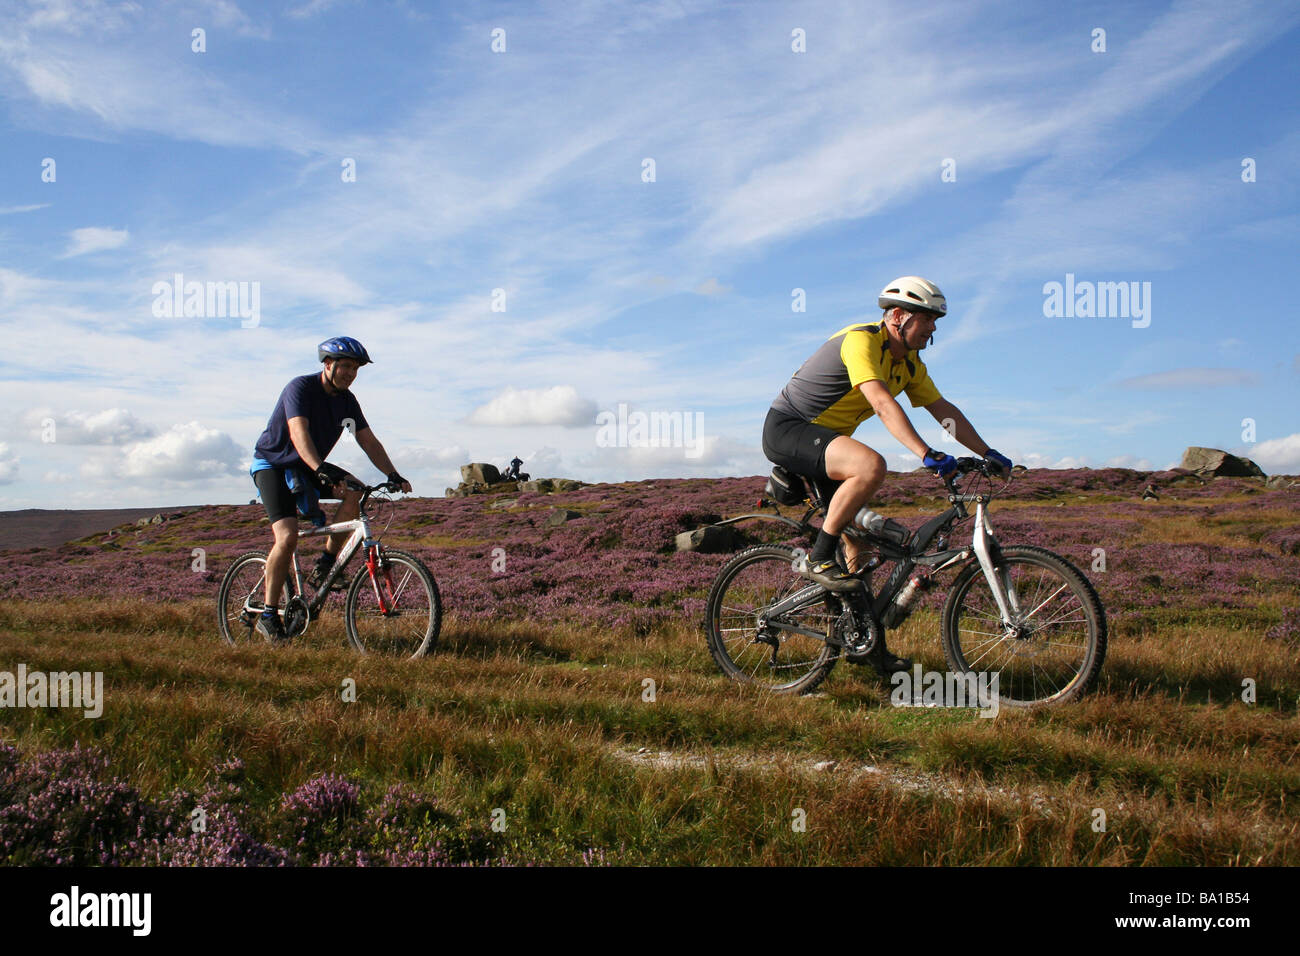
(785, 488)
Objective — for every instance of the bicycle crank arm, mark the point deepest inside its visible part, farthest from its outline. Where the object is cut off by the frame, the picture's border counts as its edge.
(989, 555)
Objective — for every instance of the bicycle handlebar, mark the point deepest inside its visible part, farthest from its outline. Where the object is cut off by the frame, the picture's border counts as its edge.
(970, 465)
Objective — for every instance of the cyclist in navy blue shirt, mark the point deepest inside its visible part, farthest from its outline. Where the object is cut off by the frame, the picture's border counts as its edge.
(290, 470)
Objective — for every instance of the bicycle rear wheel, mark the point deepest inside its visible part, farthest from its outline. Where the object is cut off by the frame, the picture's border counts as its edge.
(399, 612)
(1056, 643)
(784, 653)
(240, 599)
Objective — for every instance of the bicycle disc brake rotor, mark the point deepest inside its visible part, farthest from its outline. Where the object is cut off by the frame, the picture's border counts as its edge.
(296, 616)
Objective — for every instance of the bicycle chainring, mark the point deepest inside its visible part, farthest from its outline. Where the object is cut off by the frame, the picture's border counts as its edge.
(858, 634)
(296, 616)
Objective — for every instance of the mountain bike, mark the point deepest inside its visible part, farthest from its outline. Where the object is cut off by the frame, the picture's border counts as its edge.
(392, 605)
(1019, 611)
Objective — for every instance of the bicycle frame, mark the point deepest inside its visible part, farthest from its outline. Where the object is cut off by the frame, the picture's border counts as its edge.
(984, 547)
(359, 536)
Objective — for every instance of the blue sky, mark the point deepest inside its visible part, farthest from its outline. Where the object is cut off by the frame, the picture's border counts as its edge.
(523, 170)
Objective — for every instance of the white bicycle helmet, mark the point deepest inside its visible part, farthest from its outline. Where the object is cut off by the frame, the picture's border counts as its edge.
(912, 293)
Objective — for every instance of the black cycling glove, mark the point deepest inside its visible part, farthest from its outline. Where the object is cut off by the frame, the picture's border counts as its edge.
(329, 475)
(395, 479)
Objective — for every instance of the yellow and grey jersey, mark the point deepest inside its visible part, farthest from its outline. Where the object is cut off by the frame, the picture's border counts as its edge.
(825, 389)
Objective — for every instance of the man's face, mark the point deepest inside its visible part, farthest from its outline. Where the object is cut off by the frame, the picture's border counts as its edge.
(341, 372)
(919, 328)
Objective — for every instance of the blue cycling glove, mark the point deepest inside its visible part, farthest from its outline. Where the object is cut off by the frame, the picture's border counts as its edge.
(943, 465)
(1002, 461)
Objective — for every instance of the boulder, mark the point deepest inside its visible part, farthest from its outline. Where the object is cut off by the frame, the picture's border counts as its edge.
(1213, 461)
(479, 472)
(559, 516)
(567, 484)
(709, 540)
(504, 503)
(543, 485)
(1280, 481)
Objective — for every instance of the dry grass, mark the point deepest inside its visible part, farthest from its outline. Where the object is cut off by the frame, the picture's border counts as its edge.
(546, 724)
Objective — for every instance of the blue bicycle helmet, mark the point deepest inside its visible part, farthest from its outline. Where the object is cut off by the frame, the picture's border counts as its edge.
(343, 347)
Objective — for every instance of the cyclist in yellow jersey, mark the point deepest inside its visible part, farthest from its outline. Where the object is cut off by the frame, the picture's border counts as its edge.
(858, 373)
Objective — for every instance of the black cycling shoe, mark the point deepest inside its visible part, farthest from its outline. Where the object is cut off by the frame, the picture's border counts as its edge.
(271, 627)
(828, 574)
(888, 662)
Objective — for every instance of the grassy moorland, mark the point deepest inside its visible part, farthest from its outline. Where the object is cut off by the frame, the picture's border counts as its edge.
(530, 714)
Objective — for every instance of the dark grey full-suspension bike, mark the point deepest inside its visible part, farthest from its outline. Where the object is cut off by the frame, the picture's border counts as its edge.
(1019, 611)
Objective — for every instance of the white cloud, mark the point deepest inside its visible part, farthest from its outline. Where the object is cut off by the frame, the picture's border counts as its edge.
(1192, 378)
(94, 239)
(560, 405)
(188, 453)
(112, 426)
(8, 465)
(707, 455)
(10, 210)
(711, 286)
(1277, 456)
(416, 459)
(1129, 461)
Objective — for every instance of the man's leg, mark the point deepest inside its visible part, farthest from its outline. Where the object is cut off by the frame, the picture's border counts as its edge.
(861, 472)
(349, 508)
(278, 561)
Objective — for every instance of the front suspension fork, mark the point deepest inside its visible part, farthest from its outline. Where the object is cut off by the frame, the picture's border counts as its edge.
(373, 568)
(996, 573)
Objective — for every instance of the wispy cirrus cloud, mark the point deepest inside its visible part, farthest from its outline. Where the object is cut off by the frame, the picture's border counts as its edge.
(94, 239)
(1192, 378)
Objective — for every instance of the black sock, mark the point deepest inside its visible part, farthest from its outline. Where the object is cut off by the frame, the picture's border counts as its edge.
(326, 560)
(824, 549)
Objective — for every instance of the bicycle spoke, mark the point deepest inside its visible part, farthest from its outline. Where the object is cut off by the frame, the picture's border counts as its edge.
(759, 583)
(1046, 655)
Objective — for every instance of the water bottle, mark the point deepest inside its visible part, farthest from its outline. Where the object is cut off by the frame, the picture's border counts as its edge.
(902, 605)
(882, 527)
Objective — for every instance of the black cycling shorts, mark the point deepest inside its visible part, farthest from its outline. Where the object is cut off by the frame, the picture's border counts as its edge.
(277, 497)
(796, 445)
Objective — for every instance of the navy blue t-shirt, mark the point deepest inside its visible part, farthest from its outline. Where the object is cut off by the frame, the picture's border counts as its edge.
(305, 396)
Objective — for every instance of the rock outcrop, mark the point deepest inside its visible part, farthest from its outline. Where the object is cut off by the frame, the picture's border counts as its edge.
(1215, 462)
(480, 478)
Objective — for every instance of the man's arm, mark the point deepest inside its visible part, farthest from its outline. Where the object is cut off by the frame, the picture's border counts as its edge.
(303, 444)
(893, 417)
(378, 457)
(957, 425)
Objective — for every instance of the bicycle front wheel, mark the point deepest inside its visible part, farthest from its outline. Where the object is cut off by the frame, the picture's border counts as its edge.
(397, 611)
(240, 599)
(1053, 647)
(782, 651)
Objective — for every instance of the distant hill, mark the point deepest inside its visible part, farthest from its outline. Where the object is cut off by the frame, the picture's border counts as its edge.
(41, 528)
